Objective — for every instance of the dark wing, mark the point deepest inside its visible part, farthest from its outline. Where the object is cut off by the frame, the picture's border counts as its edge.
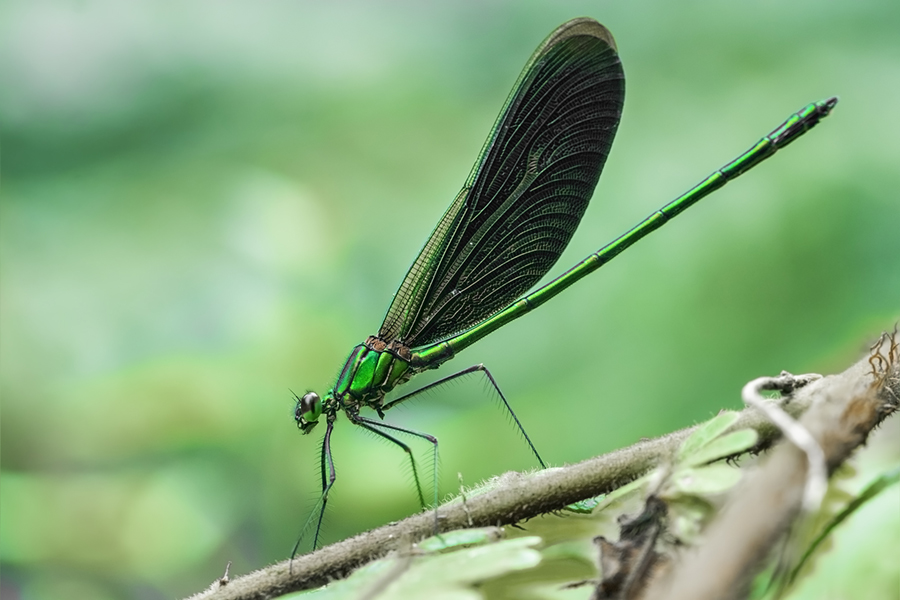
(526, 194)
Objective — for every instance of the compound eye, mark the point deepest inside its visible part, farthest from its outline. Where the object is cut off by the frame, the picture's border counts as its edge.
(309, 408)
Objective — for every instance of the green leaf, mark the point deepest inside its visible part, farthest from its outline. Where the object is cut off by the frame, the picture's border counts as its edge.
(585, 506)
(460, 538)
(880, 484)
(687, 516)
(712, 479)
(706, 432)
(446, 576)
(726, 445)
(625, 492)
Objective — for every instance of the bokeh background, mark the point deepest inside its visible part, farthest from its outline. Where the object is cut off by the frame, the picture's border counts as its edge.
(206, 204)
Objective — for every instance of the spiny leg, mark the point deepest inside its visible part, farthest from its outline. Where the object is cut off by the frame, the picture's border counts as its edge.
(325, 461)
(490, 377)
(405, 447)
(372, 426)
(332, 477)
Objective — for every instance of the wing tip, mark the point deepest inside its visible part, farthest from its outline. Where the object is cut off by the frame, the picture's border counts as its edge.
(581, 26)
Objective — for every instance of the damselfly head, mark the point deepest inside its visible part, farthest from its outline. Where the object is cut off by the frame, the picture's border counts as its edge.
(307, 411)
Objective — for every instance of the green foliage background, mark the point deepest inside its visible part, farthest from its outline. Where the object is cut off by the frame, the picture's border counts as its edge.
(205, 205)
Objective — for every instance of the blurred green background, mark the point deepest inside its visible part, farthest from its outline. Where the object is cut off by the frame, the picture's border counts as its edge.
(206, 204)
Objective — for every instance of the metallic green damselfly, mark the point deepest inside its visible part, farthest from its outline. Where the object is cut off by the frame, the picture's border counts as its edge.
(513, 218)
